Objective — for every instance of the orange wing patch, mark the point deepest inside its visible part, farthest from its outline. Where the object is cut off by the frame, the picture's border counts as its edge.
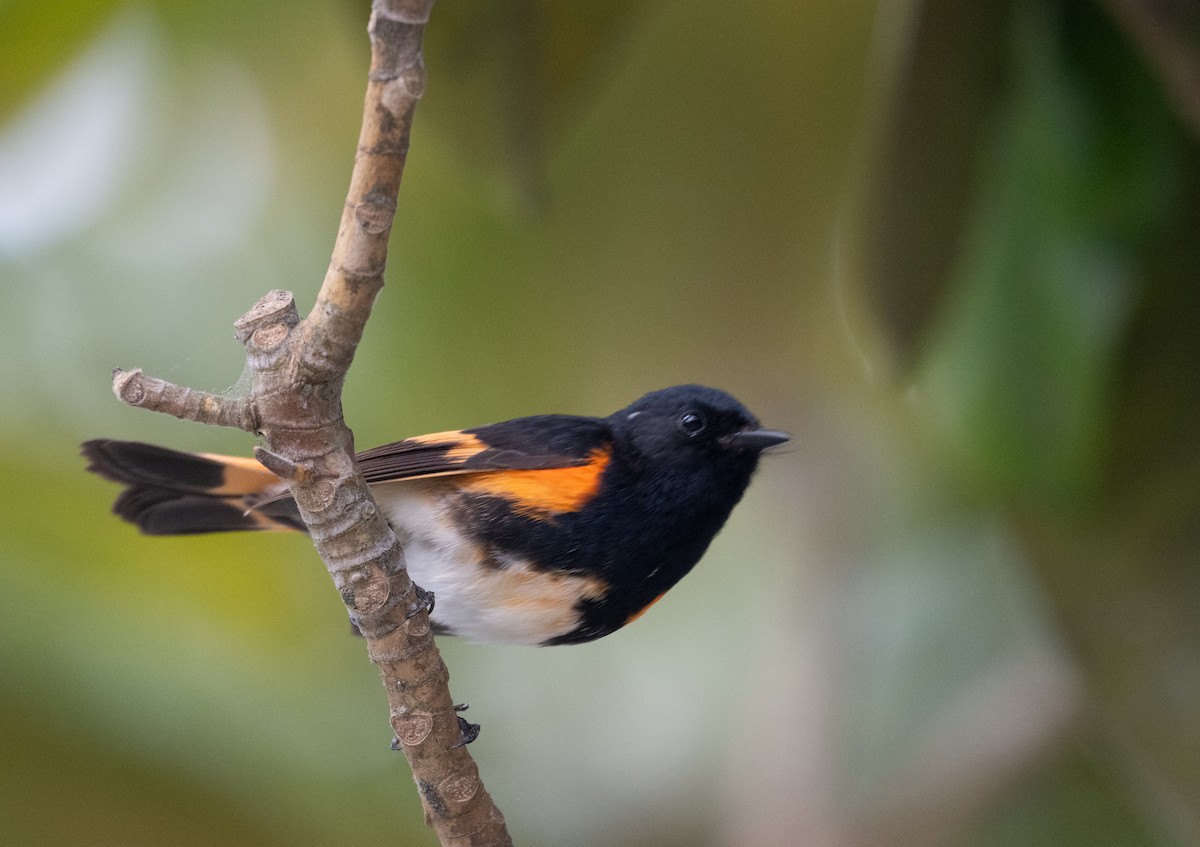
(464, 444)
(545, 492)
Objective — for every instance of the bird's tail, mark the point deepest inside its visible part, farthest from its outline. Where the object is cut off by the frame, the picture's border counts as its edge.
(169, 492)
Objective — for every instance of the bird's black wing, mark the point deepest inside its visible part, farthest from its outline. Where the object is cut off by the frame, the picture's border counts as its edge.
(534, 443)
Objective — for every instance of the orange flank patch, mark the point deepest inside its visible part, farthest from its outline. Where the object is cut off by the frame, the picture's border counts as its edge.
(242, 475)
(545, 492)
(643, 610)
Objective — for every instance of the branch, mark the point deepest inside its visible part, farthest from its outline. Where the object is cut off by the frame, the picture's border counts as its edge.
(297, 369)
(147, 392)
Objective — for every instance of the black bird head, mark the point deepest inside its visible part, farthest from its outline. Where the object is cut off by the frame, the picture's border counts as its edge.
(681, 460)
(692, 427)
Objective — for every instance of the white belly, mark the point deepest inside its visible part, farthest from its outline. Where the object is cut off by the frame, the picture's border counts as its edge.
(485, 598)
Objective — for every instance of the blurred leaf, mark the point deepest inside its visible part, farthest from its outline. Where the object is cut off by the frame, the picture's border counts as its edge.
(1126, 583)
(1019, 376)
(941, 116)
(1062, 380)
(1168, 34)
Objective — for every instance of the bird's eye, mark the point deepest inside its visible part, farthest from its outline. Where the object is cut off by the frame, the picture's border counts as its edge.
(691, 424)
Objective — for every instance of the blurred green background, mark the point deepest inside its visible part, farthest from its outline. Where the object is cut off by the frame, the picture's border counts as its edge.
(952, 247)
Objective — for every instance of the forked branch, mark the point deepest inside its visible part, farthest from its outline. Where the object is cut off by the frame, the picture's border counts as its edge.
(296, 370)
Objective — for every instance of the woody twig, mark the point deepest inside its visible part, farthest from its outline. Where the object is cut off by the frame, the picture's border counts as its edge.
(297, 369)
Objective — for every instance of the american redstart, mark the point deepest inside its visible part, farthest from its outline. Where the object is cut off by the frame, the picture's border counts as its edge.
(551, 529)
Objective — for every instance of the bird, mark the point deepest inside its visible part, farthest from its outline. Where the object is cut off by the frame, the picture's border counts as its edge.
(542, 530)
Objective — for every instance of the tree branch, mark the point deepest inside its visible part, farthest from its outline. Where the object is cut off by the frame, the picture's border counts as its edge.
(147, 392)
(296, 370)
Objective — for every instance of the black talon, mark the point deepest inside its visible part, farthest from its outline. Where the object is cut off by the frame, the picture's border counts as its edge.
(469, 731)
(424, 603)
(395, 742)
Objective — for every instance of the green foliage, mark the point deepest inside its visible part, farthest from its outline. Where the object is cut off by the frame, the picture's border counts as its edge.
(1081, 179)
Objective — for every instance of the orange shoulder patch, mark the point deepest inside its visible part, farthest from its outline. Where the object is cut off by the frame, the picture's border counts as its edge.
(545, 492)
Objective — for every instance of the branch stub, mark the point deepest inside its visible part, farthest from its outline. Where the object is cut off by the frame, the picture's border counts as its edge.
(274, 307)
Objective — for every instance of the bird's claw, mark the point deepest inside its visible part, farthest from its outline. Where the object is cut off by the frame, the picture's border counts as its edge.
(468, 731)
(424, 603)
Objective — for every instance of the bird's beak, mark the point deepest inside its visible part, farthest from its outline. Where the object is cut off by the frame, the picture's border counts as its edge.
(756, 440)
